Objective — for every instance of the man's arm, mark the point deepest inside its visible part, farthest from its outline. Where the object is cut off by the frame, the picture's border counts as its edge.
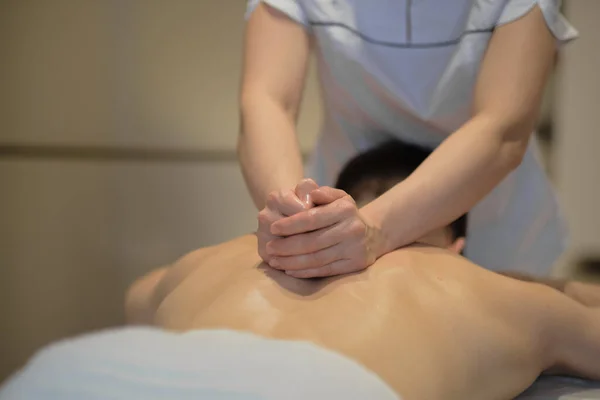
(585, 293)
(139, 306)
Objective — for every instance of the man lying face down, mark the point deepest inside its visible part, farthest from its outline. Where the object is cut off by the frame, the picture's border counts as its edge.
(420, 312)
(422, 319)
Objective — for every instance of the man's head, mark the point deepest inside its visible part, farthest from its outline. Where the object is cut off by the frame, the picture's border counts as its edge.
(372, 173)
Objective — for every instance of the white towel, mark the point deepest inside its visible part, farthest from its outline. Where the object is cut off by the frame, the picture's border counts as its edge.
(144, 363)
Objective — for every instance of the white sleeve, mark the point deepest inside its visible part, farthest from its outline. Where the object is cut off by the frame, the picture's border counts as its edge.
(291, 8)
(562, 30)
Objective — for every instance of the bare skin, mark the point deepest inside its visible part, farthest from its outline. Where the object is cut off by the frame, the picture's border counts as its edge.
(417, 313)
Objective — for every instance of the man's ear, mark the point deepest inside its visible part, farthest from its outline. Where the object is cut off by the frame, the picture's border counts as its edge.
(458, 245)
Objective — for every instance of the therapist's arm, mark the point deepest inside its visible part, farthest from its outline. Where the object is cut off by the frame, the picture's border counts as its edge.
(276, 53)
(479, 155)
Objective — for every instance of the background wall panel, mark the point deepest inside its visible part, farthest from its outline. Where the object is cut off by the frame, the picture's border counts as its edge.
(133, 73)
(577, 143)
(75, 234)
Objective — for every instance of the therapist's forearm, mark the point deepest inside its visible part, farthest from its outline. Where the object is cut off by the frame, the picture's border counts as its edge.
(459, 173)
(475, 158)
(268, 149)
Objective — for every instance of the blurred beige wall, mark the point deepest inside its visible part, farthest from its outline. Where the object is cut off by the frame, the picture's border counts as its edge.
(147, 91)
(147, 73)
(577, 149)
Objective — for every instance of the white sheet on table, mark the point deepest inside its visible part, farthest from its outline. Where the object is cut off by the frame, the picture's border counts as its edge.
(151, 364)
(136, 363)
(562, 388)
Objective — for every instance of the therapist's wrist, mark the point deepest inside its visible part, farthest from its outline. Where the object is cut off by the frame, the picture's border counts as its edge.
(378, 241)
(288, 183)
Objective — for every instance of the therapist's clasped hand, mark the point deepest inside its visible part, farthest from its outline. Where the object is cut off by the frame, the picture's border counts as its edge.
(330, 238)
(279, 205)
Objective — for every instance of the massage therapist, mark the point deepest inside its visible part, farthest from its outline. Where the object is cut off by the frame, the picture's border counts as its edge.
(463, 77)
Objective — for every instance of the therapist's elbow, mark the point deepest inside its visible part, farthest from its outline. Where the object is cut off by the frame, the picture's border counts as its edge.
(510, 145)
(514, 147)
(257, 99)
(512, 132)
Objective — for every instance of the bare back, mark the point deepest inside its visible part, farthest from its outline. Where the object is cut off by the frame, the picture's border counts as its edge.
(428, 322)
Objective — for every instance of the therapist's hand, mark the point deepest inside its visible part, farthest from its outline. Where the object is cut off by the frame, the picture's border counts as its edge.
(332, 238)
(281, 204)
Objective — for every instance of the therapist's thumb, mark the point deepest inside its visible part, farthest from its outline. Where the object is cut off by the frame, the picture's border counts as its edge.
(325, 195)
(303, 190)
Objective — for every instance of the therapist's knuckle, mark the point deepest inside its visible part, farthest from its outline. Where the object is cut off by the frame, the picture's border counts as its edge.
(346, 208)
(279, 197)
(356, 228)
(287, 196)
(263, 217)
(309, 181)
(272, 198)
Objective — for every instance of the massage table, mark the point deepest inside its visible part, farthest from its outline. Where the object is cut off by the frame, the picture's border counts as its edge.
(562, 388)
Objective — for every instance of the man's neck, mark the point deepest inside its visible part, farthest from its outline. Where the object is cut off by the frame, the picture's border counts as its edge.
(438, 238)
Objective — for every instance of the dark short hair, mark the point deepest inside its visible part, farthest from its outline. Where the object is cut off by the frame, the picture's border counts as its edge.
(392, 160)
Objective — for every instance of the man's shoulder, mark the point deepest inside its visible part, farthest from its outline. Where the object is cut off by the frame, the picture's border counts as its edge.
(427, 259)
(417, 252)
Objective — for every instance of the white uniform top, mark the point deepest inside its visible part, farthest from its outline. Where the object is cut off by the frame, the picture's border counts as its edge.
(406, 69)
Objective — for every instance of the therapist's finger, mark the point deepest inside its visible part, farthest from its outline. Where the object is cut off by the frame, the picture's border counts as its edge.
(335, 268)
(285, 202)
(307, 242)
(308, 261)
(326, 195)
(303, 190)
(313, 219)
